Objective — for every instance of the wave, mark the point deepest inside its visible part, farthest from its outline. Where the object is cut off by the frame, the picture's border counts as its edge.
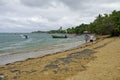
(16, 45)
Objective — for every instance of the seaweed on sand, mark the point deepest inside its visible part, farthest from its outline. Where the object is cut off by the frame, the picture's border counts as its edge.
(62, 64)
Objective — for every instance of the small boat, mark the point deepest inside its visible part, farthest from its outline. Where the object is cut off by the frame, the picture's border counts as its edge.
(57, 36)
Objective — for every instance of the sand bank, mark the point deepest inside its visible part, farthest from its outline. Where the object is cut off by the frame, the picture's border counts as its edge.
(94, 61)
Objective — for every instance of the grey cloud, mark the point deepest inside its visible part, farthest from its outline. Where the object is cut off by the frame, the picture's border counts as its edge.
(72, 4)
(30, 15)
(2, 3)
(79, 4)
(75, 4)
(37, 3)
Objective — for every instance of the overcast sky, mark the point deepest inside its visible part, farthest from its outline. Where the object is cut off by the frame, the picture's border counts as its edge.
(31, 15)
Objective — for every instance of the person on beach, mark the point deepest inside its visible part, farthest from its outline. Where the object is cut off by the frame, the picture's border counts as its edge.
(86, 37)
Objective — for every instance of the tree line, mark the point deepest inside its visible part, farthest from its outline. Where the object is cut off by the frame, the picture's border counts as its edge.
(107, 24)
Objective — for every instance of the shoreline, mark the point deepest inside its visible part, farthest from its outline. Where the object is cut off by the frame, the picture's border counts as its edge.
(16, 57)
(58, 66)
(49, 54)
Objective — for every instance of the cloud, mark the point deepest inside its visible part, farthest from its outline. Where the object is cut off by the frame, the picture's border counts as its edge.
(30, 15)
(1, 2)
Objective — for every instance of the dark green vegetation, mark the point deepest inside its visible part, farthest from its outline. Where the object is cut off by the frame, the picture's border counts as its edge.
(78, 29)
(107, 24)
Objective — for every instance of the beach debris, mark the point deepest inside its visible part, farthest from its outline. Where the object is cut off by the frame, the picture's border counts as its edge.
(2, 77)
(15, 71)
(29, 72)
(50, 66)
(103, 45)
(65, 60)
(78, 54)
(16, 77)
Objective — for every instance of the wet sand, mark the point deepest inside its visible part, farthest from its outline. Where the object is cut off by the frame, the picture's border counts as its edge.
(93, 61)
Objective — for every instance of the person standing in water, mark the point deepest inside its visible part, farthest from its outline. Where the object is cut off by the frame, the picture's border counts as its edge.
(26, 36)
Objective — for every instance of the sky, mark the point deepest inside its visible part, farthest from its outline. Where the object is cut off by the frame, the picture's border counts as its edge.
(44, 15)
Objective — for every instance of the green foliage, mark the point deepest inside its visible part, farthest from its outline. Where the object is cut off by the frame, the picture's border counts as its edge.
(77, 30)
(107, 24)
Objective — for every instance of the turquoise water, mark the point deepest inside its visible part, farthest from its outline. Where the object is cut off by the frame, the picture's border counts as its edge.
(14, 45)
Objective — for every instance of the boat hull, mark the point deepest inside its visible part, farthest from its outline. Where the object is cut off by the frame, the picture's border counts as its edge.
(55, 36)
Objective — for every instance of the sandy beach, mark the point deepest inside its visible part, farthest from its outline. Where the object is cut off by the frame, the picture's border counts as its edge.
(99, 60)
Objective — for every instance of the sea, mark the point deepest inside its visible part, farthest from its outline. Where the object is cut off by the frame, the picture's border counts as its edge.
(15, 47)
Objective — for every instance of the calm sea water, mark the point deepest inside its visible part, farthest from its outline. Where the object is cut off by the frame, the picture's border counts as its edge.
(13, 47)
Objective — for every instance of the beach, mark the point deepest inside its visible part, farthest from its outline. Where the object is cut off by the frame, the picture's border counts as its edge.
(99, 60)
